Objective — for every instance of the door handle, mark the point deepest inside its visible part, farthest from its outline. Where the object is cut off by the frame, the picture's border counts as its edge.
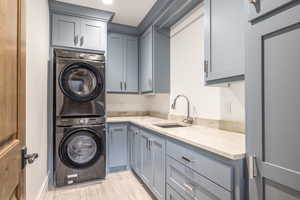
(125, 85)
(121, 85)
(28, 158)
(81, 40)
(76, 40)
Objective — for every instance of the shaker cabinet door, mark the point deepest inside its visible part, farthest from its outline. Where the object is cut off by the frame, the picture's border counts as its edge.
(273, 106)
(115, 65)
(66, 31)
(158, 149)
(225, 40)
(131, 79)
(118, 147)
(93, 35)
(146, 54)
(146, 170)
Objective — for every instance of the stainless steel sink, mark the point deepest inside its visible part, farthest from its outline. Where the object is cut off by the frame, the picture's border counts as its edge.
(170, 125)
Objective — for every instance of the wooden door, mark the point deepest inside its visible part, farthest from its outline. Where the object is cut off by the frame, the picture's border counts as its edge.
(273, 106)
(12, 98)
(66, 31)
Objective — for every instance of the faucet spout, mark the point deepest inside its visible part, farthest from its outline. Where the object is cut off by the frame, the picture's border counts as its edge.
(188, 119)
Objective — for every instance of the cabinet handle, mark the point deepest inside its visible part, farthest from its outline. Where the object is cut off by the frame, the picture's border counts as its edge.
(255, 3)
(185, 159)
(76, 40)
(81, 40)
(121, 85)
(189, 187)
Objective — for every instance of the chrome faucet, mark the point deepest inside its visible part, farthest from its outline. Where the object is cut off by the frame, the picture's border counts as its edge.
(188, 119)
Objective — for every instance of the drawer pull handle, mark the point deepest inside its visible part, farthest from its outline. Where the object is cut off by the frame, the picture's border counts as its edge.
(186, 159)
(189, 187)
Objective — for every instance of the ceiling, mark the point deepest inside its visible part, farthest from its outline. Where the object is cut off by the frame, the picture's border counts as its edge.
(128, 12)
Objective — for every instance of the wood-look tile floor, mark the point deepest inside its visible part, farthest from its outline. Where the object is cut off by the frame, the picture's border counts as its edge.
(121, 185)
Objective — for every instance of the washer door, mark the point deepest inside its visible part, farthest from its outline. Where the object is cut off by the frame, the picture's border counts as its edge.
(80, 149)
(81, 82)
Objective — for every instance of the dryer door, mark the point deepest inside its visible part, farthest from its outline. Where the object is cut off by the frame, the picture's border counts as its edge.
(81, 82)
(81, 149)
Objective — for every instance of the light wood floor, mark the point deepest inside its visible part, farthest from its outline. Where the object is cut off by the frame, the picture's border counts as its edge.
(121, 185)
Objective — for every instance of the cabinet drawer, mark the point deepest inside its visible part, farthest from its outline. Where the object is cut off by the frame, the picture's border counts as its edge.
(216, 171)
(172, 195)
(191, 185)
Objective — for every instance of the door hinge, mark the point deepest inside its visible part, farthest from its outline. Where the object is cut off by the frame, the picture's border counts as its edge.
(252, 168)
(27, 158)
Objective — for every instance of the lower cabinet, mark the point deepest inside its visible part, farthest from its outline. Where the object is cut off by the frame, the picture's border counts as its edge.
(172, 195)
(117, 147)
(150, 161)
(174, 170)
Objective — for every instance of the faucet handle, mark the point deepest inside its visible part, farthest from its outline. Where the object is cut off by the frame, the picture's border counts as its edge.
(188, 120)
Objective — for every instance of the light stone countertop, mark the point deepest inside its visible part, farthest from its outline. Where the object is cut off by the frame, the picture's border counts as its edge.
(224, 143)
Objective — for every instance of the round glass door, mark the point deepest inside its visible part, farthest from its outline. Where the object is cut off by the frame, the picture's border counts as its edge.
(81, 82)
(80, 149)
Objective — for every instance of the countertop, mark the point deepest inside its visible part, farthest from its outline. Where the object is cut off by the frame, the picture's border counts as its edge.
(224, 143)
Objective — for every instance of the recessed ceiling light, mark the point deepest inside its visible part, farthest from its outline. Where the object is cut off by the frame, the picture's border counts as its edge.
(107, 2)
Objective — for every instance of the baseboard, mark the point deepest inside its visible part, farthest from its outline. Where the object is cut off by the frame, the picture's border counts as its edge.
(43, 189)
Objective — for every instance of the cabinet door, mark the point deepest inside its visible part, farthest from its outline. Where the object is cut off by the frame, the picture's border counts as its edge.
(146, 53)
(146, 170)
(138, 152)
(115, 66)
(93, 35)
(273, 106)
(131, 80)
(118, 156)
(158, 150)
(225, 39)
(172, 195)
(66, 31)
(131, 136)
(263, 7)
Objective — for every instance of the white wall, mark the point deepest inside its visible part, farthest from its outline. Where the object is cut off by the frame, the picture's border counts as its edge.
(37, 23)
(187, 75)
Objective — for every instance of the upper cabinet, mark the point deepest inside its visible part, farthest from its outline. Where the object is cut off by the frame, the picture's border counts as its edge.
(260, 8)
(122, 68)
(225, 25)
(75, 32)
(155, 61)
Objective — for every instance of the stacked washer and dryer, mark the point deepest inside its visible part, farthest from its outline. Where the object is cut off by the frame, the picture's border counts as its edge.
(80, 117)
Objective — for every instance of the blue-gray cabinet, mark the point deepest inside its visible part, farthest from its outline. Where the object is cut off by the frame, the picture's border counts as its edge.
(172, 194)
(66, 31)
(135, 148)
(155, 61)
(273, 100)
(123, 64)
(117, 147)
(225, 43)
(153, 158)
(76, 32)
(174, 170)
